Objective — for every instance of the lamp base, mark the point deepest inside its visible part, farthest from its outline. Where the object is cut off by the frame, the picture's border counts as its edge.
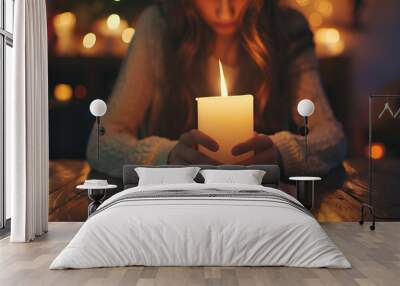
(305, 193)
(306, 190)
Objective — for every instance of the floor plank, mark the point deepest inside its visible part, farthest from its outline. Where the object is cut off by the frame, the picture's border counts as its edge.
(375, 257)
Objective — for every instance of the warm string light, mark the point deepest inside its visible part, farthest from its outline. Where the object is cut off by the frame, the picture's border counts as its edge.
(64, 26)
(109, 35)
(111, 28)
(63, 92)
(127, 35)
(113, 21)
(89, 40)
(329, 41)
(64, 21)
(327, 35)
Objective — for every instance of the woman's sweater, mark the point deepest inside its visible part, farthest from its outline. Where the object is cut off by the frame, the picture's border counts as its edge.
(138, 90)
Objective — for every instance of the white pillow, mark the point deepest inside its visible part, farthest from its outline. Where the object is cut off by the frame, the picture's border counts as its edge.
(248, 177)
(165, 176)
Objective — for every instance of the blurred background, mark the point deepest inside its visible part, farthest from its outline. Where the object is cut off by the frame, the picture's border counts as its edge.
(357, 43)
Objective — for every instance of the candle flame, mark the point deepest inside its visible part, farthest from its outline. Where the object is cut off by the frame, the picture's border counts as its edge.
(224, 90)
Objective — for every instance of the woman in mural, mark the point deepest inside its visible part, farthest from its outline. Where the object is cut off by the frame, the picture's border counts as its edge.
(266, 51)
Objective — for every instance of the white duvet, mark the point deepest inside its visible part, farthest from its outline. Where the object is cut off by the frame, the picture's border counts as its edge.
(200, 231)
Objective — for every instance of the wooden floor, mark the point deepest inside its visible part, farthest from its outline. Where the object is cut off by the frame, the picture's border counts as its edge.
(375, 257)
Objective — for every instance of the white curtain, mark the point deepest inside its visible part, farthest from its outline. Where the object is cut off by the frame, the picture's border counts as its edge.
(27, 124)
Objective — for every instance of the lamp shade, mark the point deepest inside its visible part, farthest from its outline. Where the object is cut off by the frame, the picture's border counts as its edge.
(305, 107)
(98, 107)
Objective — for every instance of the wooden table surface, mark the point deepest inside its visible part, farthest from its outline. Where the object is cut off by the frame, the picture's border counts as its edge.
(65, 202)
(335, 195)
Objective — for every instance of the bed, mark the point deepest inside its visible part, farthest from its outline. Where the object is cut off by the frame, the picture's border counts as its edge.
(197, 224)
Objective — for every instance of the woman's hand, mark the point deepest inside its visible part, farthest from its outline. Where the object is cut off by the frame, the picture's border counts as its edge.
(185, 151)
(265, 151)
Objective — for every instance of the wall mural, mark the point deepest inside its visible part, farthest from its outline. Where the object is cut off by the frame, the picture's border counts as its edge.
(151, 83)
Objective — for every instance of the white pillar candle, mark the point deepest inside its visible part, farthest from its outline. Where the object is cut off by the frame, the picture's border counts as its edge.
(228, 120)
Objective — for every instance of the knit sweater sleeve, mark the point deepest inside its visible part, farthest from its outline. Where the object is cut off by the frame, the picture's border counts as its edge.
(326, 140)
(136, 87)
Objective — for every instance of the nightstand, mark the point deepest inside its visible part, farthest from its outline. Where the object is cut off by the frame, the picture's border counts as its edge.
(305, 190)
(96, 194)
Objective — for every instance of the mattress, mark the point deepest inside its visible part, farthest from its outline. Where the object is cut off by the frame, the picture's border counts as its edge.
(201, 225)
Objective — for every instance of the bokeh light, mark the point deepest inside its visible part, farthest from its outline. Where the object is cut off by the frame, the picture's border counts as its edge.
(327, 36)
(113, 21)
(325, 7)
(315, 20)
(329, 41)
(66, 20)
(303, 2)
(127, 35)
(89, 40)
(378, 151)
(63, 92)
(80, 91)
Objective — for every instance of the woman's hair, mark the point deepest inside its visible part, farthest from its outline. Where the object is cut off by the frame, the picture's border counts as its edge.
(189, 42)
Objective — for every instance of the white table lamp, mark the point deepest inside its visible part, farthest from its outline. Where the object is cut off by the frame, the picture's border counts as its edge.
(305, 185)
(98, 108)
(306, 108)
